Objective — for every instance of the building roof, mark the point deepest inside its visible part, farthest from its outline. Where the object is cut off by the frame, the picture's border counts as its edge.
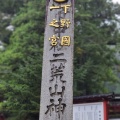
(96, 98)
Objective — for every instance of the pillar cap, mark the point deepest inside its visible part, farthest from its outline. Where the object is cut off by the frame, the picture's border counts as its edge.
(60, 1)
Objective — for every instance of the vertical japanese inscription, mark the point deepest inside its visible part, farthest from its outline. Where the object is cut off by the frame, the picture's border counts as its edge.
(57, 73)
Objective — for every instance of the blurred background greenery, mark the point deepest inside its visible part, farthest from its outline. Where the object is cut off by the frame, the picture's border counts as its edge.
(96, 53)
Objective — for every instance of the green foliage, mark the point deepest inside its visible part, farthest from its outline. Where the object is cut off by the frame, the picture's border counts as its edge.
(23, 60)
(7, 10)
(96, 26)
(4, 33)
(10, 6)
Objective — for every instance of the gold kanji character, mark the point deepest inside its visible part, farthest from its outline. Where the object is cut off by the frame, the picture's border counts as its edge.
(54, 40)
(65, 7)
(65, 22)
(54, 7)
(65, 41)
(53, 23)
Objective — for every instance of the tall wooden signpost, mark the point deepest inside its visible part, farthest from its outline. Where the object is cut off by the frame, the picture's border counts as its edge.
(57, 75)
